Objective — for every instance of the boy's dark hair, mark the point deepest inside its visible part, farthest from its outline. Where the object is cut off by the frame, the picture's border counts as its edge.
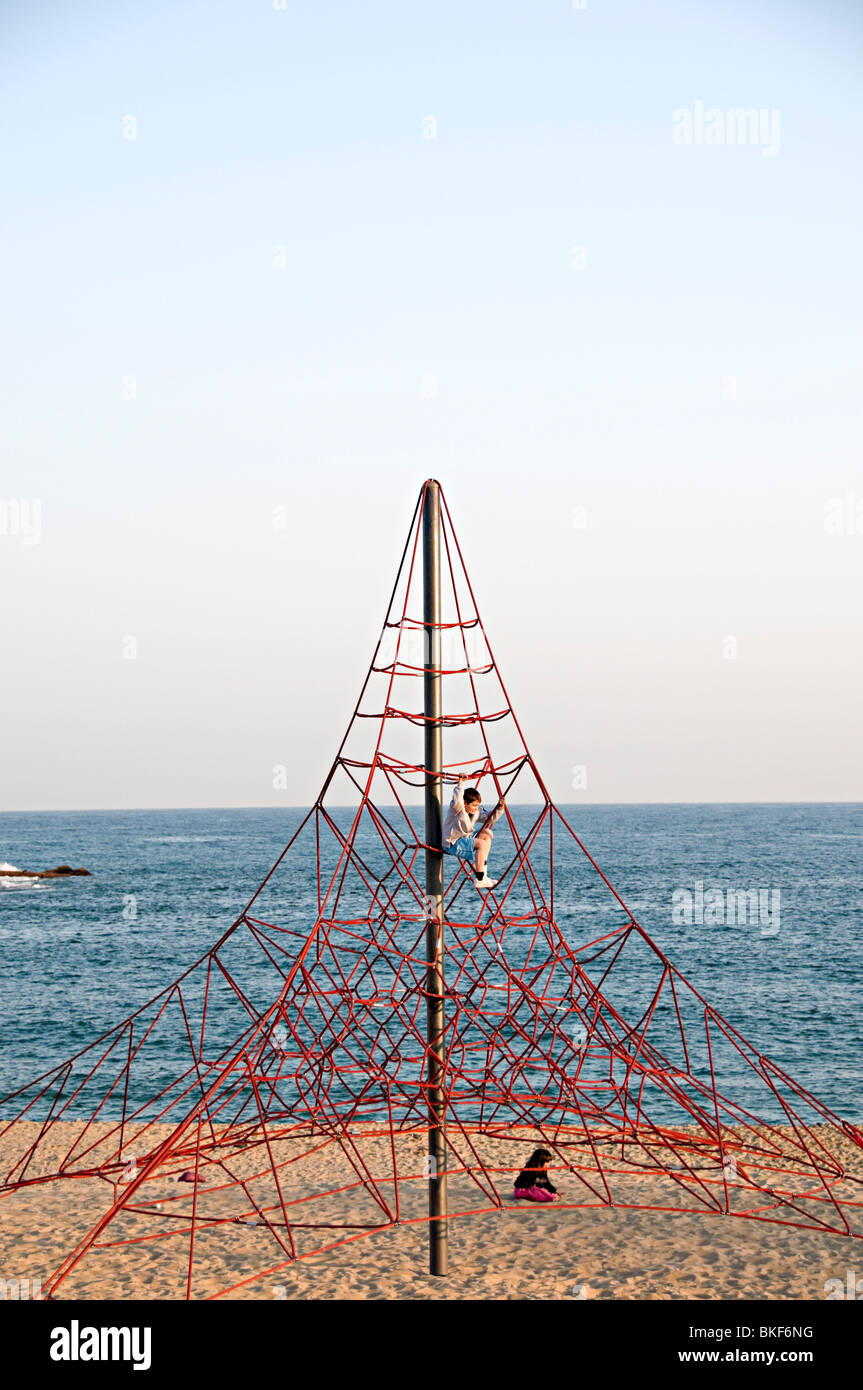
(471, 794)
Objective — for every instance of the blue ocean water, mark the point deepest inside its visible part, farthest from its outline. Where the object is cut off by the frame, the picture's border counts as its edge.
(79, 955)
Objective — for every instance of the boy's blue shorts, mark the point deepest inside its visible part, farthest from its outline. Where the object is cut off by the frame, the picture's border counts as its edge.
(462, 848)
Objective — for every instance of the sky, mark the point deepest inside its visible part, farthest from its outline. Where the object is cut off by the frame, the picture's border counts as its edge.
(280, 261)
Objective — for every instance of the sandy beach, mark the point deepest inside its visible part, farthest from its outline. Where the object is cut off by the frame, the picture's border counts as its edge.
(552, 1252)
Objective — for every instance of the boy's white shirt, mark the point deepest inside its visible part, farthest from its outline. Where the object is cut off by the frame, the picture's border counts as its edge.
(459, 820)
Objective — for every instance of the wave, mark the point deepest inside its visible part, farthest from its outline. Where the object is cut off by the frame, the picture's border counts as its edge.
(14, 882)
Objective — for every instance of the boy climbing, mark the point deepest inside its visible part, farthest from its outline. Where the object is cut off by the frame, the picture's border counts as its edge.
(460, 834)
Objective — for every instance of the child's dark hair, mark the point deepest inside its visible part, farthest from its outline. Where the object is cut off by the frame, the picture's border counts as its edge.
(538, 1159)
(471, 794)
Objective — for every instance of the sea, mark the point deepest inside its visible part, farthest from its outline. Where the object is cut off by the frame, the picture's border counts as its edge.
(78, 955)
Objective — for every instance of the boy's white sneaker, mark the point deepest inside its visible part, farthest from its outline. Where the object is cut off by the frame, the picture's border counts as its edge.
(484, 882)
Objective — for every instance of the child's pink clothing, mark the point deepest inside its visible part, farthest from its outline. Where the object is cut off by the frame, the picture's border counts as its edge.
(533, 1194)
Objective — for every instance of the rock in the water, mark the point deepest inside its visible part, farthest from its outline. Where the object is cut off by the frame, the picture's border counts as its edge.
(62, 871)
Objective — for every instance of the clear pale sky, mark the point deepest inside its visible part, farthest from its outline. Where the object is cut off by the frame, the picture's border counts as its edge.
(690, 378)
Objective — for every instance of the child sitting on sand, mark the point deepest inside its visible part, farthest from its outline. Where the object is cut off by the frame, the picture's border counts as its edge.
(533, 1182)
(460, 835)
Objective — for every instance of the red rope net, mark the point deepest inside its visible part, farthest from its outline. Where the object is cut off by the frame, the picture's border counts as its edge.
(272, 1103)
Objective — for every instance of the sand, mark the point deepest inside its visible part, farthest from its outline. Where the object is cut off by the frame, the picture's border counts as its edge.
(527, 1252)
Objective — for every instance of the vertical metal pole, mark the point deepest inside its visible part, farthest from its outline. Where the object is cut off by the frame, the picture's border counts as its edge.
(435, 1017)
